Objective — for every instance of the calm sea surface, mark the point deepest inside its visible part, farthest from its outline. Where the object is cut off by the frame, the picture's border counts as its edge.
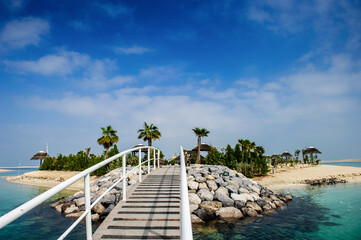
(328, 212)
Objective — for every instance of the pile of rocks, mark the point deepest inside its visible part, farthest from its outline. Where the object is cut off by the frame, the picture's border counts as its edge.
(214, 195)
(74, 206)
(324, 181)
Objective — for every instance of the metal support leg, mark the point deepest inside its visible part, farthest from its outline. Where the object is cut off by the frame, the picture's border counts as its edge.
(148, 160)
(158, 157)
(124, 180)
(140, 165)
(154, 158)
(87, 207)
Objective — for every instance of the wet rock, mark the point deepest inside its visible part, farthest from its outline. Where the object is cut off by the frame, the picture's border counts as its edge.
(254, 206)
(211, 206)
(229, 213)
(239, 204)
(249, 212)
(204, 214)
(98, 208)
(71, 209)
(196, 219)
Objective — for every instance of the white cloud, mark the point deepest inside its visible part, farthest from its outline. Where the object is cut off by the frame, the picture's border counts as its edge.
(319, 107)
(20, 33)
(62, 63)
(132, 50)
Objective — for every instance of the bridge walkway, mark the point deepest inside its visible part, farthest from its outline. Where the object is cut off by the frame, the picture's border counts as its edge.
(152, 209)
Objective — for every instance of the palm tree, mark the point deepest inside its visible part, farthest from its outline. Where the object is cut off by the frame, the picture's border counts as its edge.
(200, 133)
(149, 133)
(108, 139)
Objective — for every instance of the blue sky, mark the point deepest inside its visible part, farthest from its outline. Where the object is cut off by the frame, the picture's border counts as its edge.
(285, 74)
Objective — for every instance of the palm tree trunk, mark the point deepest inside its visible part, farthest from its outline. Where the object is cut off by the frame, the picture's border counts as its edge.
(106, 153)
(198, 151)
(149, 142)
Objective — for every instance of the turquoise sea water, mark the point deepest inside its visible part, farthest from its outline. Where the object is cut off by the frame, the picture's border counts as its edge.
(40, 223)
(327, 212)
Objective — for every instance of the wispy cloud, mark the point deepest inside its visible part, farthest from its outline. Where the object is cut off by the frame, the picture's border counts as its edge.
(80, 25)
(20, 33)
(113, 10)
(62, 63)
(138, 50)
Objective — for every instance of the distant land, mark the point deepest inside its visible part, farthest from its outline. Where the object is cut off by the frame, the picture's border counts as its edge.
(346, 160)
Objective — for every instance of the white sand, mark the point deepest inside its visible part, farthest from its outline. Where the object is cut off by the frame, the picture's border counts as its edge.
(49, 179)
(291, 177)
(5, 170)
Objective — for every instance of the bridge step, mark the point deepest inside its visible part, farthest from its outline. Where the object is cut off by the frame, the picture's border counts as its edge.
(152, 210)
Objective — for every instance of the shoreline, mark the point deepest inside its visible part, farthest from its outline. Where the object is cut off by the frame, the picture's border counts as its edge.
(21, 167)
(49, 179)
(291, 177)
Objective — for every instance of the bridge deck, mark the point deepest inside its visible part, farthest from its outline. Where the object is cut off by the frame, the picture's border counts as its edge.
(152, 209)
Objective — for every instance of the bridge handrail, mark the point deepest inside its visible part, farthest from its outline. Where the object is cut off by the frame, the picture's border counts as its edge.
(186, 223)
(29, 205)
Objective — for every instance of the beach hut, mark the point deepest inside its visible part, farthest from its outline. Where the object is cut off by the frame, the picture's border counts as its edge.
(40, 156)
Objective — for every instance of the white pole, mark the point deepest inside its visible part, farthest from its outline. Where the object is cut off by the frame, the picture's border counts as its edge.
(154, 157)
(158, 157)
(148, 160)
(186, 223)
(124, 179)
(140, 164)
(87, 206)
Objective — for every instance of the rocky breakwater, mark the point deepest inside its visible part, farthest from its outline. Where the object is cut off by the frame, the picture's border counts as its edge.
(216, 192)
(324, 181)
(73, 206)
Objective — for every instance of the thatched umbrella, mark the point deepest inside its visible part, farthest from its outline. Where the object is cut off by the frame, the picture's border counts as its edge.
(204, 147)
(40, 156)
(286, 154)
(311, 150)
(144, 150)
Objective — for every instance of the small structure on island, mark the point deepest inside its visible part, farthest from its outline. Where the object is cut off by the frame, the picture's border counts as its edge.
(40, 156)
(204, 148)
(312, 150)
(144, 150)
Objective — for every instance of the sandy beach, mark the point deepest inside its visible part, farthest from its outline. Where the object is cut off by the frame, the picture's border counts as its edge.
(5, 170)
(291, 177)
(49, 179)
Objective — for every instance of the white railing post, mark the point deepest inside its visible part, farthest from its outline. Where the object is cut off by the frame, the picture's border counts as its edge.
(158, 157)
(186, 223)
(140, 164)
(148, 160)
(154, 158)
(87, 207)
(124, 179)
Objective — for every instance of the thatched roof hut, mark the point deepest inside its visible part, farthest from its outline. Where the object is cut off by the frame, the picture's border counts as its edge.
(204, 147)
(40, 156)
(286, 154)
(144, 150)
(312, 150)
